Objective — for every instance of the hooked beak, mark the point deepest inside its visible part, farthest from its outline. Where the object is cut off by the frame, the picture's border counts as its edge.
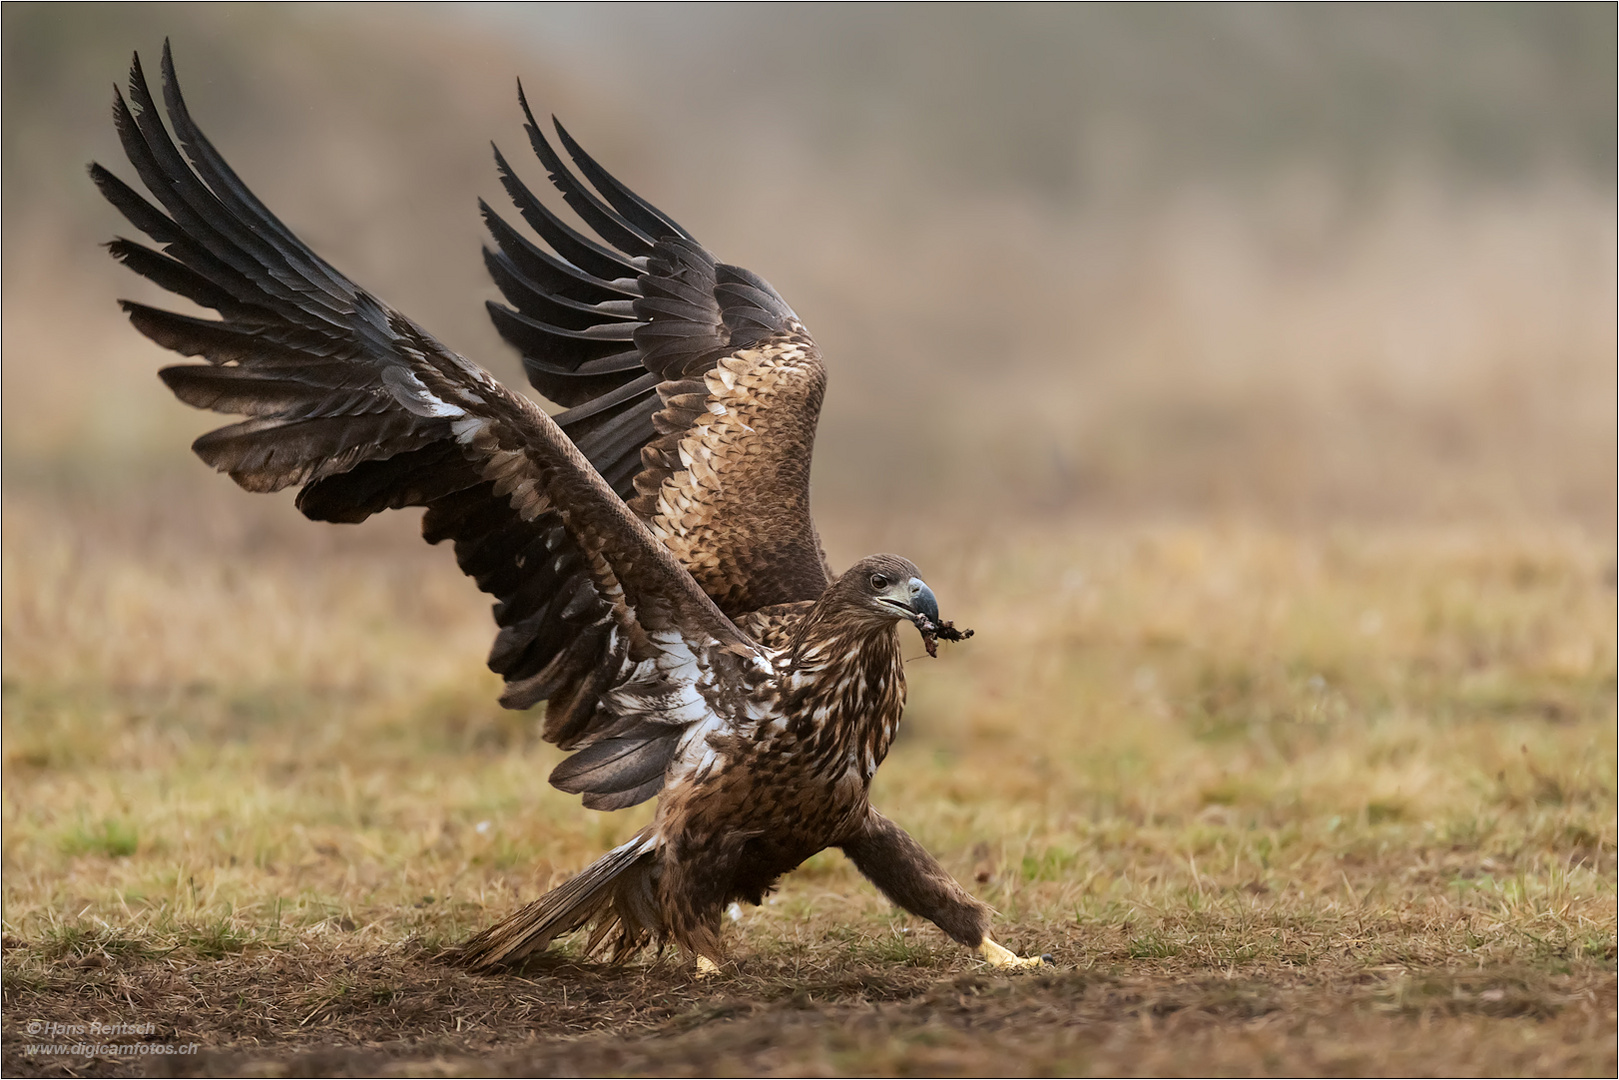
(914, 599)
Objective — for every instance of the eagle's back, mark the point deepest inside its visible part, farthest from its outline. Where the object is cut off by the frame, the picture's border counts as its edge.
(773, 626)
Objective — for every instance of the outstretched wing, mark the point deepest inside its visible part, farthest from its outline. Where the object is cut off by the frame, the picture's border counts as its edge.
(691, 385)
(366, 411)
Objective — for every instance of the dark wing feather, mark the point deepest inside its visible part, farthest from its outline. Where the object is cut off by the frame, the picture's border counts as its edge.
(634, 209)
(366, 412)
(737, 380)
(612, 227)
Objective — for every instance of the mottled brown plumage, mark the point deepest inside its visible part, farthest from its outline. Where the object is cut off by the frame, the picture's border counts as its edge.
(659, 582)
(726, 485)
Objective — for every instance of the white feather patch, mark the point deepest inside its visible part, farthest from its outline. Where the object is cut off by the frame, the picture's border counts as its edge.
(468, 428)
(413, 395)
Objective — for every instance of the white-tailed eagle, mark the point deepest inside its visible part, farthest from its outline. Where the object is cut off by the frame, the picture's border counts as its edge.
(658, 579)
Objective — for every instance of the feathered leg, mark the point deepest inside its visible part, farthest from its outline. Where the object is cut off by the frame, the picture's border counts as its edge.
(894, 862)
(692, 891)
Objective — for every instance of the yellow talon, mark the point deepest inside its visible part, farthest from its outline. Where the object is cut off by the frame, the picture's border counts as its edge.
(706, 968)
(998, 956)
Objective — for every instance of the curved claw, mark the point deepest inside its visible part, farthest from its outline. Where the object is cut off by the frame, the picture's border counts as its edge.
(706, 968)
(998, 956)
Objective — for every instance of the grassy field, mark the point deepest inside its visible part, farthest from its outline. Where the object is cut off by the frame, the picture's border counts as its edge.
(1123, 313)
(1277, 801)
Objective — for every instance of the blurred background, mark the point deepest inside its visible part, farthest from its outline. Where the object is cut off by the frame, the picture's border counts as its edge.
(1306, 264)
(1244, 375)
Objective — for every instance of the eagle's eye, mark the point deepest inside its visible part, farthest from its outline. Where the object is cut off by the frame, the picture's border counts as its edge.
(879, 582)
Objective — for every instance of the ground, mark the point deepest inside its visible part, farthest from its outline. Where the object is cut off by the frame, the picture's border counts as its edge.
(1277, 800)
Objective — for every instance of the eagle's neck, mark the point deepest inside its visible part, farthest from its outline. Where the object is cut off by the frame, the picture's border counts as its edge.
(845, 691)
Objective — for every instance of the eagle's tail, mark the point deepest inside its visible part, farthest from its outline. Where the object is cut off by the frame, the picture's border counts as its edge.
(617, 890)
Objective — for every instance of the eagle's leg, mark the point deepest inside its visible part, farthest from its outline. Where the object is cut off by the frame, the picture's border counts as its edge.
(692, 898)
(698, 933)
(899, 866)
(997, 955)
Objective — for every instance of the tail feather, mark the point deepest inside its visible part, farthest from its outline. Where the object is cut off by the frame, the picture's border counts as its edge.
(615, 891)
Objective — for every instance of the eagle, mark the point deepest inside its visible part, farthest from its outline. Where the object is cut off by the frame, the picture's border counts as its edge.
(658, 579)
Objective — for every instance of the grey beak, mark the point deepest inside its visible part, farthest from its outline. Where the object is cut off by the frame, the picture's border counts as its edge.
(922, 600)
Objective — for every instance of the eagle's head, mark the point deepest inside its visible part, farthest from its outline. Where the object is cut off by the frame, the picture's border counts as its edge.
(885, 589)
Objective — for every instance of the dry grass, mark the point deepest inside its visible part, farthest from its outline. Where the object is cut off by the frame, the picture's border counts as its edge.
(1278, 802)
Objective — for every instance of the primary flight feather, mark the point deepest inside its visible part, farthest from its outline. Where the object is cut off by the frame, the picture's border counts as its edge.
(658, 579)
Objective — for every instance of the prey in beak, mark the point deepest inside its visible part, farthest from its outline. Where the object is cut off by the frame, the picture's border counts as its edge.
(916, 601)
